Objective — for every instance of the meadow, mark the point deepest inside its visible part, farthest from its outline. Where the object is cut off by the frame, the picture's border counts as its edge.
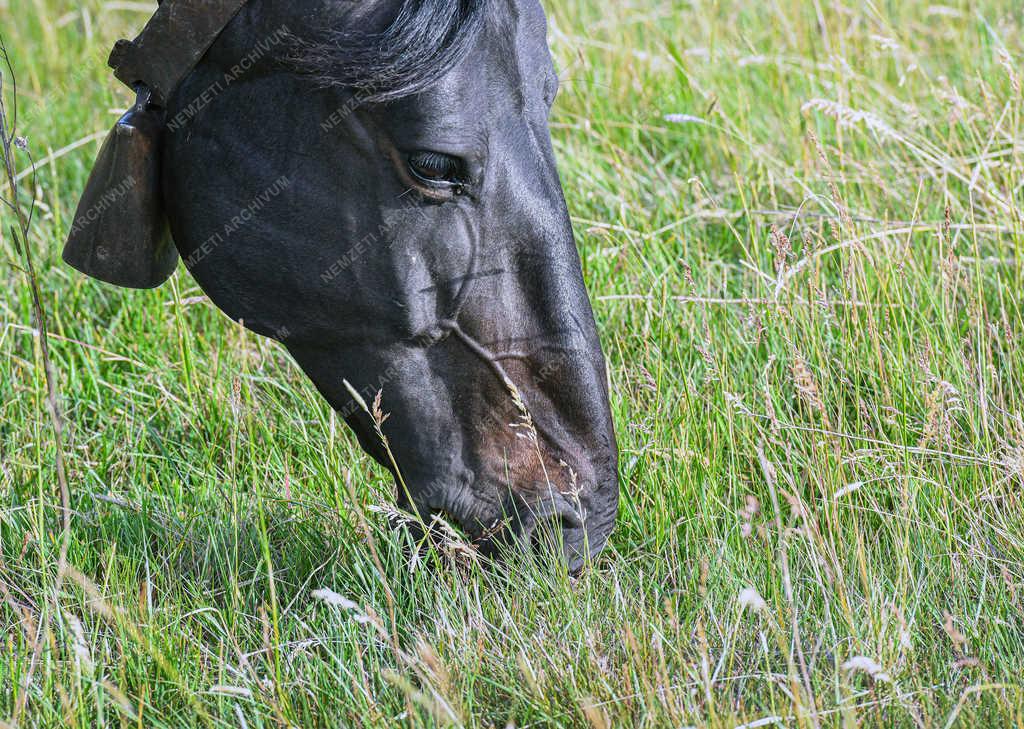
(801, 227)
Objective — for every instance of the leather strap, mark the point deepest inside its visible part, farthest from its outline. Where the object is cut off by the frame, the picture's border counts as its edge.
(174, 40)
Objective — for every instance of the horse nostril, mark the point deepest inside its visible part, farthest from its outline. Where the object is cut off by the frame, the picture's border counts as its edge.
(549, 535)
(549, 526)
(560, 538)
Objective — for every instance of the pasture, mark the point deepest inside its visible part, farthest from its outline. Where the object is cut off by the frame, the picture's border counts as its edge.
(801, 227)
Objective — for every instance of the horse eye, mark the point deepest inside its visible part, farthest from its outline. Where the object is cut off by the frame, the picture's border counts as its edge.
(437, 168)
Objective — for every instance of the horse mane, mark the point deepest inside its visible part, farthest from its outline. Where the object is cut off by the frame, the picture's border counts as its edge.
(423, 42)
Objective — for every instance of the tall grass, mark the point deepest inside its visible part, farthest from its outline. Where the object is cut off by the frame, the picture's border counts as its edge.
(801, 225)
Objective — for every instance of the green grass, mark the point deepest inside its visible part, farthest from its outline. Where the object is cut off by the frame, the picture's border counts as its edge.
(827, 411)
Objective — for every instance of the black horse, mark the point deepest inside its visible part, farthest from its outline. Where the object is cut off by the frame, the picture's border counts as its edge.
(373, 184)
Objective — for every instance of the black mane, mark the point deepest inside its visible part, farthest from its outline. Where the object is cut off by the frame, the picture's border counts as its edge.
(424, 41)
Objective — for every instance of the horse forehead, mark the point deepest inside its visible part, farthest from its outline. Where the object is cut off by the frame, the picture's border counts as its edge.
(525, 29)
(504, 67)
(517, 42)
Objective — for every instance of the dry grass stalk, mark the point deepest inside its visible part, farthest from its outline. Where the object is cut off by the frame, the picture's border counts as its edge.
(10, 141)
(806, 386)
